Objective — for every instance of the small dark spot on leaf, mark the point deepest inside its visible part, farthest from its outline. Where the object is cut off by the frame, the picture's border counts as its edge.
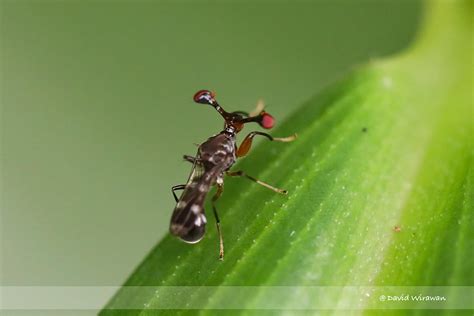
(364, 129)
(397, 229)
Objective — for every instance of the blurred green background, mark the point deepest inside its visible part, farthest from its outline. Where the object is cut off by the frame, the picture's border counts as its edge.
(97, 111)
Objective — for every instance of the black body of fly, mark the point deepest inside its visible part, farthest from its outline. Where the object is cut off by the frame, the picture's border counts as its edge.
(212, 162)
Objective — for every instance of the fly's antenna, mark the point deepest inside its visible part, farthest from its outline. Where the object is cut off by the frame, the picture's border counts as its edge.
(208, 97)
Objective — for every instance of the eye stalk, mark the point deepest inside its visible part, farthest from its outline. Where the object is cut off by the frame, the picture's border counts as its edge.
(208, 97)
(205, 97)
(263, 119)
(238, 118)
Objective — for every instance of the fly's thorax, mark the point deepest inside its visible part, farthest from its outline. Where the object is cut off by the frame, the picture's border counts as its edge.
(218, 150)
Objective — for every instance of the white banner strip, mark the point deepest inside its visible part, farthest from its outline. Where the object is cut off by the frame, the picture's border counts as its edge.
(237, 297)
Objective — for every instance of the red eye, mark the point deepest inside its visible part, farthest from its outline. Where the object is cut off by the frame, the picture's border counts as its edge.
(198, 95)
(267, 121)
(204, 96)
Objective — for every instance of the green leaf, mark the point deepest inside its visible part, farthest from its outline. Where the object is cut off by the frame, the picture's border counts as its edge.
(380, 192)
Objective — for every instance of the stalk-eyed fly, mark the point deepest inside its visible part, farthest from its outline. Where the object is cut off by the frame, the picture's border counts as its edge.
(213, 160)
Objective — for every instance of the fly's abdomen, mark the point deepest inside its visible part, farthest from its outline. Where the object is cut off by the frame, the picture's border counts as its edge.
(188, 221)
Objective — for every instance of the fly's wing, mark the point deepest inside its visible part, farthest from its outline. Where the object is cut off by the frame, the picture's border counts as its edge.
(188, 221)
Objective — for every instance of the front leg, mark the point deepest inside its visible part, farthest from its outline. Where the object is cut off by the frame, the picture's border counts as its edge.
(247, 142)
(191, 159)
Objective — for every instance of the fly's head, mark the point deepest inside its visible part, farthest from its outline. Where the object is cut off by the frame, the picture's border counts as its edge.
(234, 121)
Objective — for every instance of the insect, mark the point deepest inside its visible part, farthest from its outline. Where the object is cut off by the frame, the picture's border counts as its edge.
(212, 162)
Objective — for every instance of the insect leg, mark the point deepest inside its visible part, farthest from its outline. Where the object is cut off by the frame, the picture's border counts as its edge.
(240, 173)
(220, 189)
(247, 142)
(258, 108)
(177, 187)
